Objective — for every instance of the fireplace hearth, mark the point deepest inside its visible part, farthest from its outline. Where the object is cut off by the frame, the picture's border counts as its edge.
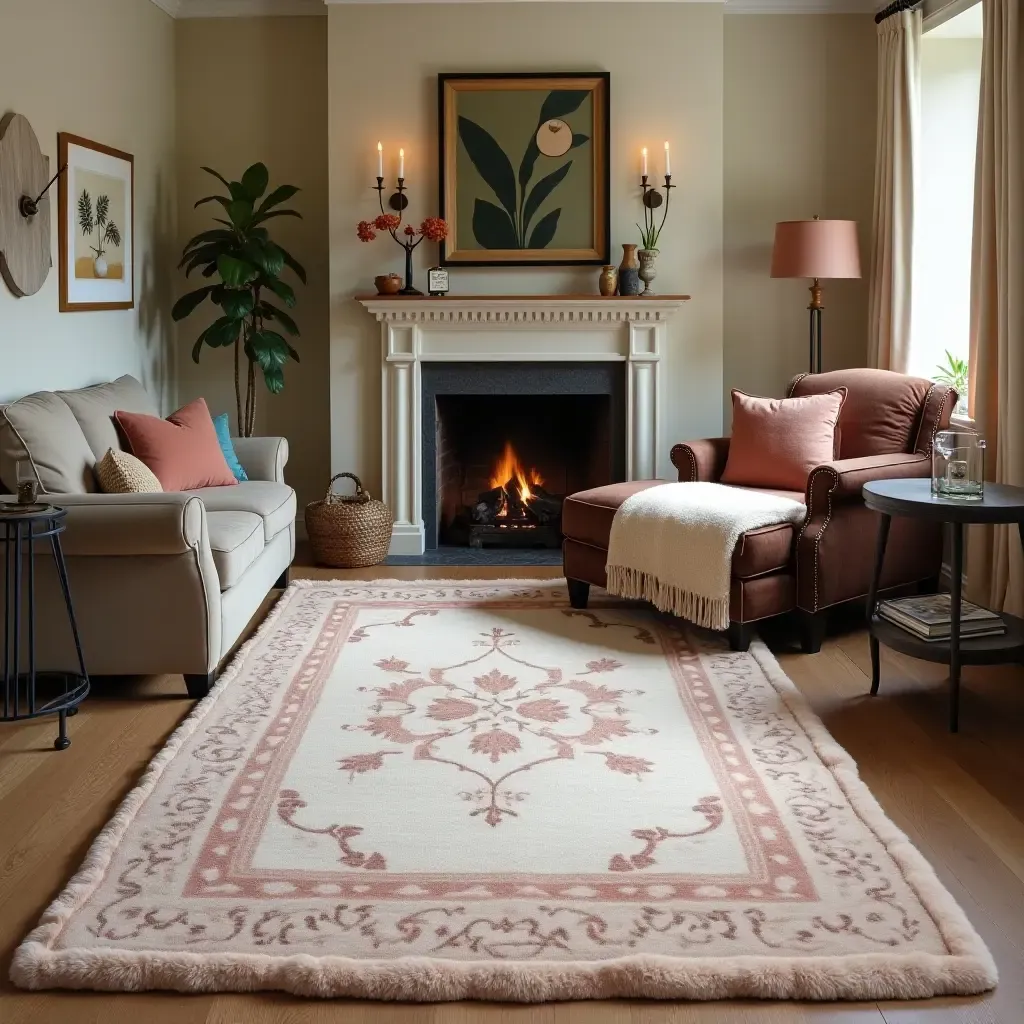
(505, 443)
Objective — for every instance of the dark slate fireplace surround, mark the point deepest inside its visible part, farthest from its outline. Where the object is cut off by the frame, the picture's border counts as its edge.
(565, 419)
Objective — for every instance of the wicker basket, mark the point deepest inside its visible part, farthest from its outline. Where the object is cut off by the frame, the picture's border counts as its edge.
(348, 532)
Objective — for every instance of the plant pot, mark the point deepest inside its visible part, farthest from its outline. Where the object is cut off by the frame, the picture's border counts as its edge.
(99, 266)
(388, 284)
(608, 281)
(648, 271)
(629, 271)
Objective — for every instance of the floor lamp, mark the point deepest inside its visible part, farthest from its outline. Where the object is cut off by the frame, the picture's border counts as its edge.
(816, 249)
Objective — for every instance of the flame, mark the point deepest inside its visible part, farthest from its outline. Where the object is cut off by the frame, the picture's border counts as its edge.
(508, 468)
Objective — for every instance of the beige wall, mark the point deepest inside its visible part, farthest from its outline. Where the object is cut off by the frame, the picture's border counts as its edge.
(254, 89)
(799, 141)
(104, 70)
(665, 84)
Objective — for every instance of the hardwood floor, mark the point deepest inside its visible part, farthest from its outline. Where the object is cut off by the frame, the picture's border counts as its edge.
(959, 798)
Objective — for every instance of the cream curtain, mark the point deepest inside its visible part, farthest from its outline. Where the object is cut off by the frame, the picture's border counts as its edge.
(899, 119)
(995, 567)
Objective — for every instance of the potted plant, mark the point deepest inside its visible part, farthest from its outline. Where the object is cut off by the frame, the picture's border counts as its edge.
(100, 222)
(955, 373)
(246, 266)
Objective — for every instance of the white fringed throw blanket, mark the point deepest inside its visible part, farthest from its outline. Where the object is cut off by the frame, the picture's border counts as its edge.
(673, 545)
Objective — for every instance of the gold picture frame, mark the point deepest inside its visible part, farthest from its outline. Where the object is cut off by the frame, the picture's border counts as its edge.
(524, 168)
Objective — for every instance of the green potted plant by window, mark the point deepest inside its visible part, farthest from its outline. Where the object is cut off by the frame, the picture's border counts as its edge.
(245, 265)
(956, 374)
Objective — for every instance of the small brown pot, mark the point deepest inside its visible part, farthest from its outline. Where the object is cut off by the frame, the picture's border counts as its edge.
(388, 284)
(608, 281)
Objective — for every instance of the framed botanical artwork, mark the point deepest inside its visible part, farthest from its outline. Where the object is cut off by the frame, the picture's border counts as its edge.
(524, 168)
(96, 226)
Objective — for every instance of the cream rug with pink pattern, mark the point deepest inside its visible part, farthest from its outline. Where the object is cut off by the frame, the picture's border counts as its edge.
(443, 790)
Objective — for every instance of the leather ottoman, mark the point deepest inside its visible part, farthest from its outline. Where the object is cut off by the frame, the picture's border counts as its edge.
(763, 579)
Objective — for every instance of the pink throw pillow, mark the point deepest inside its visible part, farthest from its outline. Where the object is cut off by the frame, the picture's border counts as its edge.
(776, 442)
(182, 451)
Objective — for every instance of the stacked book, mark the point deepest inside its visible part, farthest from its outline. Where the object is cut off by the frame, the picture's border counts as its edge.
(929, 617)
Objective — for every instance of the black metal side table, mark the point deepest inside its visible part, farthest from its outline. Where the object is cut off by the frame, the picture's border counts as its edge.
(23, 526)
(914, 498)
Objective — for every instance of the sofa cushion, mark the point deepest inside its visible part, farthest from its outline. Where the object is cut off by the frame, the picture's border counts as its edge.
(122, 473)
(274, 503)
(94, 408)
(882, 412)
(42, 430)
(236, 540)
(182, 450)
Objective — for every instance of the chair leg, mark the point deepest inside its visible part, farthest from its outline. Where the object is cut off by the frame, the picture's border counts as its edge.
(579, 593)
(198, 686)
(812, 631)
(740, 635)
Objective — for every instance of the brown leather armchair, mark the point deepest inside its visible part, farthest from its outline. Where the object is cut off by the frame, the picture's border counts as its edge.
(887, 426)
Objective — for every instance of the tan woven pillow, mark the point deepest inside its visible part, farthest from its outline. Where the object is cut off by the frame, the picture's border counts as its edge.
(121, 473)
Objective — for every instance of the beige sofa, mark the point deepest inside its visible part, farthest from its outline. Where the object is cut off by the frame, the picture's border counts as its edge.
(161, 583)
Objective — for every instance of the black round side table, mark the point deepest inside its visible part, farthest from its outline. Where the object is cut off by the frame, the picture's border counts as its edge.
(914, 498)
(23, 526)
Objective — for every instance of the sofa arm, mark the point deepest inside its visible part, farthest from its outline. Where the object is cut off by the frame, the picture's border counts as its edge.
(262, 458)
(116, 525)
(842, 480)
(701, 460)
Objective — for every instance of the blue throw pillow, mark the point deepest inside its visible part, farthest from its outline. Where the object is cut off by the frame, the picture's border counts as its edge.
(223, 428)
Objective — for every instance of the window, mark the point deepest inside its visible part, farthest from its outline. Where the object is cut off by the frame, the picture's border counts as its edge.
(944, 206)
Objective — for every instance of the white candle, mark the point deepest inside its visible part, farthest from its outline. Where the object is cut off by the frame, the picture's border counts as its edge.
(401, 163)
(643, 161)
(668, 163)
(380, 160)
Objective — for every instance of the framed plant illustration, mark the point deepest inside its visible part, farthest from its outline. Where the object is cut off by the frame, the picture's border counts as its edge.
(524, 168)
(96, 226)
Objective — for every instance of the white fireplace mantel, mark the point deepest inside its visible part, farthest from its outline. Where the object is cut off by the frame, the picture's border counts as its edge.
(509, 328)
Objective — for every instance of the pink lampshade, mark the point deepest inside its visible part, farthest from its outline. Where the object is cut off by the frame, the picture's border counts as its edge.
(816, 248)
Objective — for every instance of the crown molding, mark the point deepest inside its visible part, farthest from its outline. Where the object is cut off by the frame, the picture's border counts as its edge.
(801, 6)
(171, 7)
(240, 8)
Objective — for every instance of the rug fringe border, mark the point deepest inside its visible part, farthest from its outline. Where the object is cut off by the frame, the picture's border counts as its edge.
(969, 971)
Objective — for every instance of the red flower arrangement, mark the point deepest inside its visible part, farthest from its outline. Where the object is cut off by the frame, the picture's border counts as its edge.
(433, 229)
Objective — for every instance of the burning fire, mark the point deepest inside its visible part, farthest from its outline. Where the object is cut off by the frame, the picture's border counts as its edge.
(508, 469)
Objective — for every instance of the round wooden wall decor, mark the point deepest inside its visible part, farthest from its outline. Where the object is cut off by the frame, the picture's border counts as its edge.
(24, 241)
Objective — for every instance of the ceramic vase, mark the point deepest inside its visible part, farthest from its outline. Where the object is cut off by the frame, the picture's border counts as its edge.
(629, 271)
(99, 266)
(648, 270)
(608, 281)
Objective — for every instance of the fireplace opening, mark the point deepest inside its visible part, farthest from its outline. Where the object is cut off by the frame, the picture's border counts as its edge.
(504, 443)
(506, 462)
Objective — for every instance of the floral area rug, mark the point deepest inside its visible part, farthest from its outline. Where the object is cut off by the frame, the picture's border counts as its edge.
(443, 790)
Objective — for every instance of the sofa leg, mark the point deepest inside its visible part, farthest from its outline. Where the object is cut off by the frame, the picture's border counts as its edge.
(198, 686)
(740, 635)
(282, 580)
(812, 631)
(579, 593)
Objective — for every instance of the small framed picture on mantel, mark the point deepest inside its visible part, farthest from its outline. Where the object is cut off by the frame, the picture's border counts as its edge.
(524, 169)
(96, 226)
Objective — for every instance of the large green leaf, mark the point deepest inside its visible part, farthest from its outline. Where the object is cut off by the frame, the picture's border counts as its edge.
(270, 312)
(255, 181)
(203, 255)
(282, 290)
(578, 139)
(529, 160)
(290, 261)
(268, 348)
(261, 217)
(267, 256)
(237, 190)
(279, 195)
(273, 377)
(222, 332)
(206, 237)
(493, 227)
(223, 200)
(237, 303)
(235, 272)
(540, 192)
(240, 212)
(218, 176)
(560, 102)
(492, 163)
(187, 303)
(545, 230)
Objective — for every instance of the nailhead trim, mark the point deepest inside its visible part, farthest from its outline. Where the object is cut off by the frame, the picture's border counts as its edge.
(817, 540)
(793, 383)
(693, 460)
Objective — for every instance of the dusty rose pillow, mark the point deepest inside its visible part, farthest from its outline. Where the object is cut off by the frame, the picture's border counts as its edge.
(182, 451)
(776, 442)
